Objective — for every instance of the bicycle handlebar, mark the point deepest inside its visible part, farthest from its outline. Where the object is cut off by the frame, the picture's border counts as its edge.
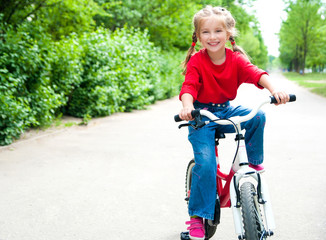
(237, 119)
(292, 98)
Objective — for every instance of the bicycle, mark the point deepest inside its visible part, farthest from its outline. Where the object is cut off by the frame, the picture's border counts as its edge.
(244, 189)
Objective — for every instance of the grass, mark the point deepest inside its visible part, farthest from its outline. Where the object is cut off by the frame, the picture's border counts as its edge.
(61, 122)
(315, 82)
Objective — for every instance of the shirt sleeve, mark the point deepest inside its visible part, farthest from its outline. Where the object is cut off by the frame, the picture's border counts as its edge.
(248, 72)
(192, 81)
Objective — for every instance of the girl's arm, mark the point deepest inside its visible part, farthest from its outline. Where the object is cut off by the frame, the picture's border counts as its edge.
(188, 105)
(281, 96)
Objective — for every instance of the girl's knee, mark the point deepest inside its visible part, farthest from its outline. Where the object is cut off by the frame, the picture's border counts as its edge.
(261, 117)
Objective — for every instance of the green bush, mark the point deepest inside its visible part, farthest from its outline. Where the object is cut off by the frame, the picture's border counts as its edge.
(14, 117)
(27, 99)
(121, 73)
(66, 67)
(95, 74)
(170, 72)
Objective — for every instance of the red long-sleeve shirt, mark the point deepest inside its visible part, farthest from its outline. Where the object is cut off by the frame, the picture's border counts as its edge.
(210, 83)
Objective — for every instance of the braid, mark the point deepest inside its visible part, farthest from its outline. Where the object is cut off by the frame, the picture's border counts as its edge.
(237, 48)
(231, 38)
(191, 51)
(194, 37)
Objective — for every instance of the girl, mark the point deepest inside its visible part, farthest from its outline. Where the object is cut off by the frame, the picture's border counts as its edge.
(212, 77)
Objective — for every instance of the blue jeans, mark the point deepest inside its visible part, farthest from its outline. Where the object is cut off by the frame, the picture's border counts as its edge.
(203, 186)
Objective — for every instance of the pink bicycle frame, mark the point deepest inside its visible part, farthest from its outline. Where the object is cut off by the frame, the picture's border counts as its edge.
(223, 190)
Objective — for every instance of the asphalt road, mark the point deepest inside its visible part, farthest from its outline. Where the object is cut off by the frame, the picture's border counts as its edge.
(122, 177)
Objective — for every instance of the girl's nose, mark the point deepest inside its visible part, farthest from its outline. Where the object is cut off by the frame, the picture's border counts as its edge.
(213, 36)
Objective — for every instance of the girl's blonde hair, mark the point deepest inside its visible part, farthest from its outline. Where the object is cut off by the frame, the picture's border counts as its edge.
(228, 22)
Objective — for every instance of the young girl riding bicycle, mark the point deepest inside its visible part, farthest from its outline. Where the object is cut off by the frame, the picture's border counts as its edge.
(212, 78)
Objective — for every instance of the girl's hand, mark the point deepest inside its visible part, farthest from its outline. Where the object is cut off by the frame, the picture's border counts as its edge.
(187, 103)
(185, 113)
(281, 97)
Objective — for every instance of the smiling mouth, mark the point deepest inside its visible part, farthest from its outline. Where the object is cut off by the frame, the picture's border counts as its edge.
(213, 44)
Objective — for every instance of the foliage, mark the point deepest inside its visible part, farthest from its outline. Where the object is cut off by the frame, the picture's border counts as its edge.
(26, 97)
(68, 16)
(58, 18)
(93, 75)
(170, 71)
(254, 45)
(16, 12)
(121, 71)
(274, 63)
(67, 69)
(302, 35)
(168, 22)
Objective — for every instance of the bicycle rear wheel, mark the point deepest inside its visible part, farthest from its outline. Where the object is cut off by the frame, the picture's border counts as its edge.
(209, 228)
(190, 166)
(251, 214)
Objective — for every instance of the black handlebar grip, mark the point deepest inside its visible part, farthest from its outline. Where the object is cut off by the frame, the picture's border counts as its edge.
(194, 113)
(292, 98)
(177, 118)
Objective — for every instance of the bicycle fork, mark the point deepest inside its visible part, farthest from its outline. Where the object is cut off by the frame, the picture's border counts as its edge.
(244, 173)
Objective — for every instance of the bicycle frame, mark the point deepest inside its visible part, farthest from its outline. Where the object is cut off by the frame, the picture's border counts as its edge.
(229, 193)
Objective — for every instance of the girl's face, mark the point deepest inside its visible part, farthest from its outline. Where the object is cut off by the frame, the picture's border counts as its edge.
(213, 35)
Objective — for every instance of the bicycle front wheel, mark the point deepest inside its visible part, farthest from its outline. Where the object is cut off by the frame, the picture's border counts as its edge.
(251, 215)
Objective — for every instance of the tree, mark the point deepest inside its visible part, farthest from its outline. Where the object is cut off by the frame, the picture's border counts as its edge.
(57, 17)
(299, 33)
(15, 12)
(316, 58)
(168, 22)
(254, 45)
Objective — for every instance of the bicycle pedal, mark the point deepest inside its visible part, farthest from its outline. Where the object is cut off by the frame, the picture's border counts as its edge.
(184, 236)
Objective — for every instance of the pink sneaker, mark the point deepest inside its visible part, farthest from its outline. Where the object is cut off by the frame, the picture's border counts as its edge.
(258, 168)
(196, 229)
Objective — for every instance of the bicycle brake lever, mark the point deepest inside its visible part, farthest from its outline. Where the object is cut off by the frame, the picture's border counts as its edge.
(184, 125)
(187, 125)
(199, 123)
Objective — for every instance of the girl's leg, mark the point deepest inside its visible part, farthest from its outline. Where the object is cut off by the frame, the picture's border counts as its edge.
(203, 185)
(254, 136)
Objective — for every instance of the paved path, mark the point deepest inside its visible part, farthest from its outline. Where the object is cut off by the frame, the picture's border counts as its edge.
(122, 177)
